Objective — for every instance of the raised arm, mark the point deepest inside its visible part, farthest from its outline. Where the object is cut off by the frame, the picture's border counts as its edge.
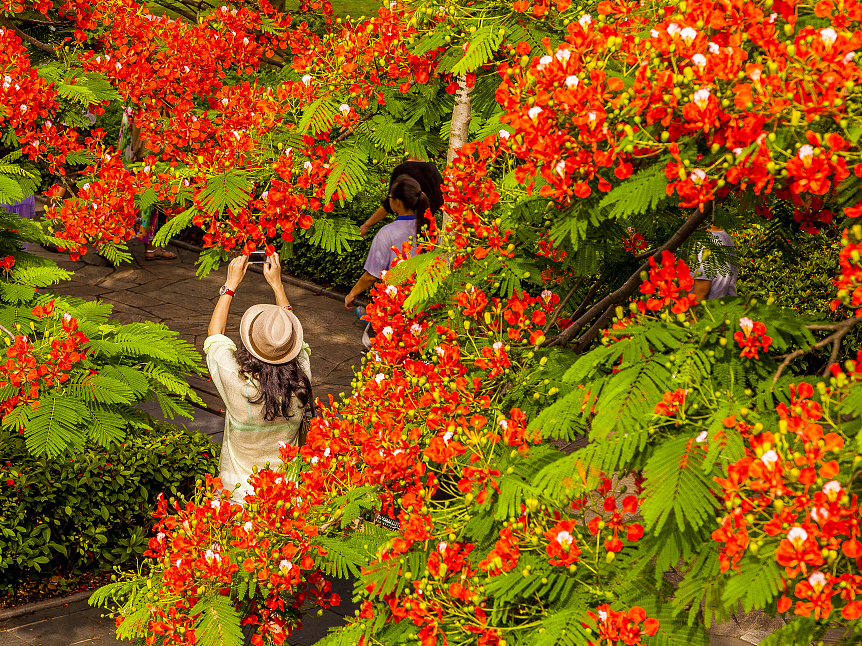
(272, 273)
(235, 273)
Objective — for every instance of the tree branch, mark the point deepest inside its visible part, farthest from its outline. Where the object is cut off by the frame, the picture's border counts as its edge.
(41, 23)
(38, 44)
(562, 304)
(840, 331)
(624, 292)
(349, 130)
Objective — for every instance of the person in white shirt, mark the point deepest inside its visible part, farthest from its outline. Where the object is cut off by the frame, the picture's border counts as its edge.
(265, 382)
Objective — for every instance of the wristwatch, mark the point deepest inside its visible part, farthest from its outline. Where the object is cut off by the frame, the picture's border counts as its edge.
(224, 290)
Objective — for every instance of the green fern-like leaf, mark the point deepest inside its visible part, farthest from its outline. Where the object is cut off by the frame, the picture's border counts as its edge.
(799, 631)
(676, 485)
(226, 191)
(483, 46)
(348, 173)
(218, 624)
(641, 193)
(319, 116)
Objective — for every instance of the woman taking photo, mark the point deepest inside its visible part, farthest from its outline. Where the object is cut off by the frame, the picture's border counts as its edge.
(265, 382)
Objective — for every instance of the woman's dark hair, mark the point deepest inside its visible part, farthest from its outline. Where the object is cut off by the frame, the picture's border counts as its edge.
(408, 190)
(279, 383)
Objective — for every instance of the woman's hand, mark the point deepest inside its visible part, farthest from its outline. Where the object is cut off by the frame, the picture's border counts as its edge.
(236, 271)
(272, 270)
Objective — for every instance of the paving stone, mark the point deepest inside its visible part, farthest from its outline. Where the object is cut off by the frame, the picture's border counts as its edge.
(133, 299)
(81, 290)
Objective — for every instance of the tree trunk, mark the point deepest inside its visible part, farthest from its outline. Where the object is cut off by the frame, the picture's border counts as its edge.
(459, 132)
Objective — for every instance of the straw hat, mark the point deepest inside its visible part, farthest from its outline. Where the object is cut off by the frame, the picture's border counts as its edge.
(271, 333)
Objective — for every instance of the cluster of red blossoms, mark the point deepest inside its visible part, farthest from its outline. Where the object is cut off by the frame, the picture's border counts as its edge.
(849, 280)
(616, 627)
(752, 338)
(33, 365)
(727, 74)
(668, 284)
(791, 499)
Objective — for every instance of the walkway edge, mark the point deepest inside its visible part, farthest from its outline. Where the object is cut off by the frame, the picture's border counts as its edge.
(298, 282)
(29, 608)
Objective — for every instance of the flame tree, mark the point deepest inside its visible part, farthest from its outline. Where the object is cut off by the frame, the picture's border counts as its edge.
(556, 305)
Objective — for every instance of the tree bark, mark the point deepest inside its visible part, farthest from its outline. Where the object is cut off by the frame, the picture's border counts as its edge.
(459, 131)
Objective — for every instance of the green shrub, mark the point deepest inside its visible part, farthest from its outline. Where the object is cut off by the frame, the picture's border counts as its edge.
(798, 276)
(91, 509)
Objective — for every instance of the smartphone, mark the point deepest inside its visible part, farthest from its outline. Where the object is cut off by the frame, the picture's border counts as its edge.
(257, 257)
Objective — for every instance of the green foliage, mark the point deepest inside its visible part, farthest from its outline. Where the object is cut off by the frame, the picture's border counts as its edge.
(226, 191)
(642, 193)
(91, 509)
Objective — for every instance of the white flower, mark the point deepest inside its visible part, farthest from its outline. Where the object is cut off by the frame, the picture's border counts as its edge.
(697, 176)
(86, 187)
(849, 57)
(380, 376)
(447, 436)
(326, 452)
(564, 538)
(737, 151)
(504, 424)
(828, 36)
(591, 116)
(67, 317)
(817, 581)
(797, 536)
(211, 556)
(585, 20)
(498, 346)
(442, 547)
(653, 33)
(546, 295)
(572, 81)
(713, 48)
(288, 150)
(285, 565)
(179, 563)
(534, 112)
(699, 60)
(563, 55)
(344, 107)
(702, 437)
(806, 152)
(247, 527)
(440, 351)
(673, 29)
(415, 329)
(225, 101)
(215, 504)
(160, 537)
(755, 75)
(560, 168)
(387, 332)
(832, 489)
(545, 60)
(504, 134)
(746, 324)
(688, 34)
(603, 615)
(391, 290)
(769, 458)
(237, 135)
(701, 98)
(307, 166)
(23, 108)
(306, 79)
